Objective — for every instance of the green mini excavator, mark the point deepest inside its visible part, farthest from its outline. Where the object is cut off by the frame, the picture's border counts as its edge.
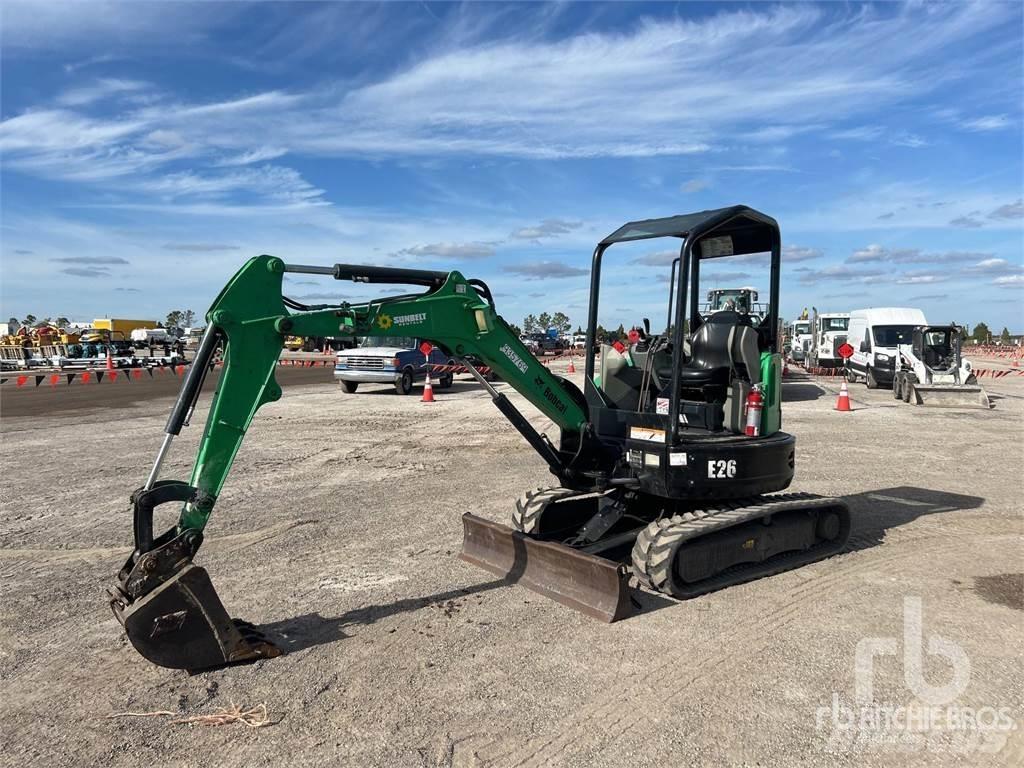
(659, 478)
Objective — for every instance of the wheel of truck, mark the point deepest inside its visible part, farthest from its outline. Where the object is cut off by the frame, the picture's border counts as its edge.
(906, 390)
(445, 380)
(350, 386)
(404, 385)
(869, 378)
(897, 387)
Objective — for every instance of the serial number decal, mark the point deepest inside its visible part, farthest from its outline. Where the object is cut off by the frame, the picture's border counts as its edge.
(517, 361)
(416, 317)
(721, 468)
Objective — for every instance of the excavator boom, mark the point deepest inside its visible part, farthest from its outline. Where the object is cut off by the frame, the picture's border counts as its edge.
(168, 606)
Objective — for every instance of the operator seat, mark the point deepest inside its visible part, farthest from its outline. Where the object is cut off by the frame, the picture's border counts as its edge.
(725, 341)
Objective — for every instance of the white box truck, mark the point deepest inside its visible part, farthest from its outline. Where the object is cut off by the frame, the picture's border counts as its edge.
(875, 334)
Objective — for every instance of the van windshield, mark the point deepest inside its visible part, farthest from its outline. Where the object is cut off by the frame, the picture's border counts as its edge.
(891, 335)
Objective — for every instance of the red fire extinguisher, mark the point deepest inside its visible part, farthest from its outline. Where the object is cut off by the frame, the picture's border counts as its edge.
(754, 406)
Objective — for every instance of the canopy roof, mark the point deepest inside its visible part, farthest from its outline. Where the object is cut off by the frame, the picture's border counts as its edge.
(751, 231)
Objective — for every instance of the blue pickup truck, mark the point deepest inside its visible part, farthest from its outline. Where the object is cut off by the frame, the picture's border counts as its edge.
(389, 360)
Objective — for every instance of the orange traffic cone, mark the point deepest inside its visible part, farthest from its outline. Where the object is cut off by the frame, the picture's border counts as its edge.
(428, 390)
(785, 369)
(572, 368)
(843, 403)
(110, 360)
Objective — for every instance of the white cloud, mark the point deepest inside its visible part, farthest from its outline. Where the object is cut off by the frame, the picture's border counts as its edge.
(451, 250)
(270, 181)
(98, 90)
(258, 155)
(546, 229)
(860, 133)
(987, 123)
(658, 258)
(992, 266)
(877, 253)
(913, 205)
(907, 139)
(200, 247)
(627, 93)
(1009, 281)
(837, 274)
(694, 185)
(1009, 211)
(967, 222)
(795, 253)
(919, 278)
(538, 270)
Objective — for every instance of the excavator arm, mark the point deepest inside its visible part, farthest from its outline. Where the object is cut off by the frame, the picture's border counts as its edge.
(167, 604)
(250, 317)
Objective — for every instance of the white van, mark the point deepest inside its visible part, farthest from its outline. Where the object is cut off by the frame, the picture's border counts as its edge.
(874, 335)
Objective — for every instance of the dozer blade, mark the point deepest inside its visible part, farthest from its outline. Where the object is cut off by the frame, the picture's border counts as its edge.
(950, 397)
(182, 624)
(592, 585)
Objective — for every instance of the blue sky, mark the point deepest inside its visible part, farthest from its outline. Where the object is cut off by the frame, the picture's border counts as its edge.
(148, 149)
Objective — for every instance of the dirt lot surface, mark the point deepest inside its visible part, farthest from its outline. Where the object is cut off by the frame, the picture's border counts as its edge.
(338, 532)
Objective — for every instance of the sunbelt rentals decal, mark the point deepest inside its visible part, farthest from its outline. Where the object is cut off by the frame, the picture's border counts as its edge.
(384, 322)
(413, 319)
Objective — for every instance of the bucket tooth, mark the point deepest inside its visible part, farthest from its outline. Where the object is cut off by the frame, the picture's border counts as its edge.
(587, 583)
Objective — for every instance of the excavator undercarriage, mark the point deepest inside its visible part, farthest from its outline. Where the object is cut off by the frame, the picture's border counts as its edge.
(664, 481)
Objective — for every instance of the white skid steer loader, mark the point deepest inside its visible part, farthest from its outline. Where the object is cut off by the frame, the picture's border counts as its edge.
(930, 371)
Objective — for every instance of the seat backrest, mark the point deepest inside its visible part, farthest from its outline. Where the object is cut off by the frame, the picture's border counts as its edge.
(746, 352)
(724, 342)
(709, 344)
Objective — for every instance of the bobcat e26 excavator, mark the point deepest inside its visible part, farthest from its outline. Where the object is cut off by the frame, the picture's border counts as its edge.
(655, 474)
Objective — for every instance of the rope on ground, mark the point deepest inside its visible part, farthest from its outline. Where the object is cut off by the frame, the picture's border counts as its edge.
(256, 717)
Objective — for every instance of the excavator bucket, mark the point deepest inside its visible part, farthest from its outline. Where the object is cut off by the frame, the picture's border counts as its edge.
(182, 624)
(590, 584)
(167, 604)
(964, 396)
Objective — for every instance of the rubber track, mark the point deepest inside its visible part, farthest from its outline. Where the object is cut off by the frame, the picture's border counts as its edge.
(653, 552)
(531, 505)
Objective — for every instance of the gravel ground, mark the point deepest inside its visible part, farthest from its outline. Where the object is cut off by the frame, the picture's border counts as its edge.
(338, 532)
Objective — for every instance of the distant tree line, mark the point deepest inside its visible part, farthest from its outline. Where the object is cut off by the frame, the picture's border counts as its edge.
(982, 334)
